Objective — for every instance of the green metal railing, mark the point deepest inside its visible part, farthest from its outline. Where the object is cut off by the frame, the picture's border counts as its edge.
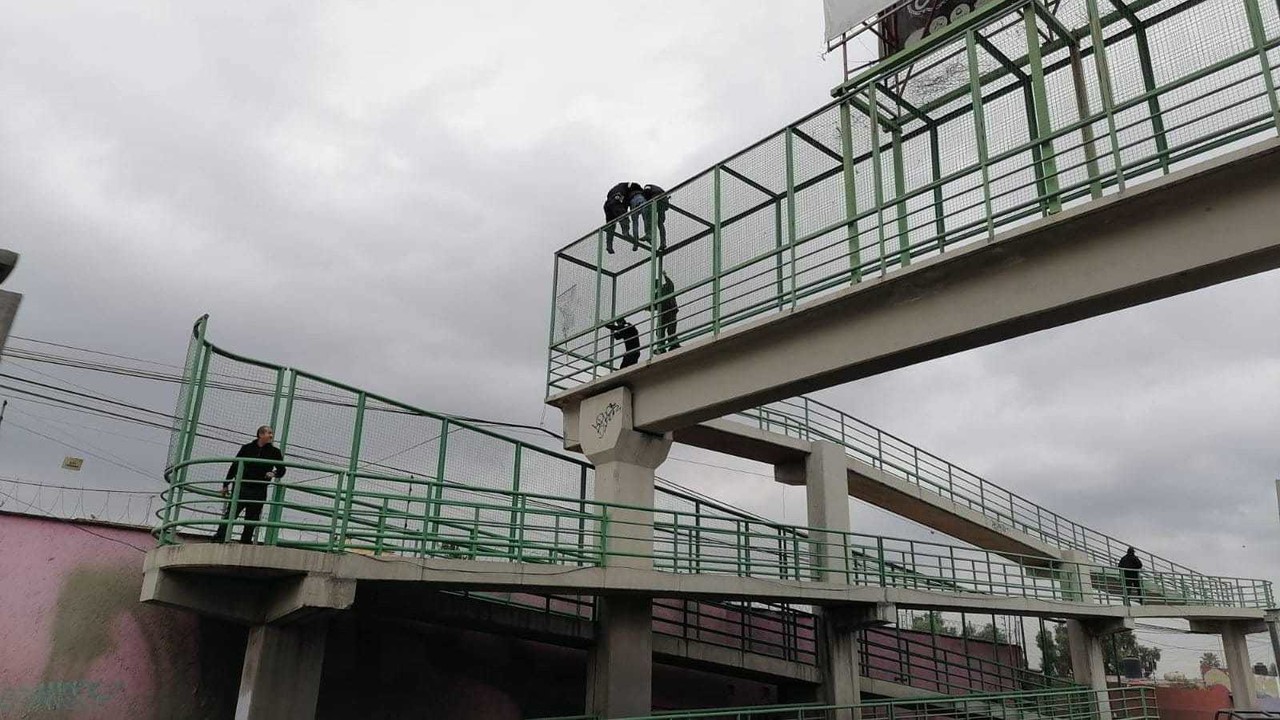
(1129, 703)
(1011, 114)
(335, 510)
(808, 419)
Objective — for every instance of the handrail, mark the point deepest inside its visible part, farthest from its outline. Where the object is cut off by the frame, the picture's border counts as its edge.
(341, 511)
(808, 419)
(1131, 703)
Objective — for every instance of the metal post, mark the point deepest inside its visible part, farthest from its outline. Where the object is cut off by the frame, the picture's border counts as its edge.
(789, 138)
(980, 127)
(850, 191)
(717, 238)
(1044, 128)
(276, 511)
(1258, 31)
(595, 323)
(1104, 86)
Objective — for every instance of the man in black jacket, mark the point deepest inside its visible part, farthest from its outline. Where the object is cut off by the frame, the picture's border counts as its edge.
(254, 479)
(1130, 566)
(667, 312)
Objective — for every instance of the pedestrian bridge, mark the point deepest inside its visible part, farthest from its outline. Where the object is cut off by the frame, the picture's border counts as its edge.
(401, 490)
(1033, 185)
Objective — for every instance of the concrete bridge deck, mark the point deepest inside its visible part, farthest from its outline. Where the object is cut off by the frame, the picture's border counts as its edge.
(268, 583)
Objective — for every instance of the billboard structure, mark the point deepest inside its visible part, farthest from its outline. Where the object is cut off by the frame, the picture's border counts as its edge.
(897, 24)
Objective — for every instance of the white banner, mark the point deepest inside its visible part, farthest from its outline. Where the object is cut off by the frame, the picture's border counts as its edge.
(844, 14)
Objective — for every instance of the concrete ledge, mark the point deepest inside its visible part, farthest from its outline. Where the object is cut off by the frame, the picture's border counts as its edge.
(432, 574)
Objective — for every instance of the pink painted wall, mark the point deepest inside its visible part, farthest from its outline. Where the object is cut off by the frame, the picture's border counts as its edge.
(74, 640)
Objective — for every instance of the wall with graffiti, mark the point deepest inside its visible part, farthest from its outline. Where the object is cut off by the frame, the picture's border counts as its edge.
(76, 643)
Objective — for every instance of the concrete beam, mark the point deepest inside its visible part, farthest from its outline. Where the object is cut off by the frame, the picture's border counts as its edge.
(248, 600)
(438, 574)
(1219, 626)
(1208, 224)
(870, 484)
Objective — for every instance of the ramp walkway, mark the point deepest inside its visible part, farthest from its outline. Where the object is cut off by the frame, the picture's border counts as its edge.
(894, 474)
(901, 222)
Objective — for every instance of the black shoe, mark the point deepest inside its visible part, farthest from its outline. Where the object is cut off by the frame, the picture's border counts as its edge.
(609, 249)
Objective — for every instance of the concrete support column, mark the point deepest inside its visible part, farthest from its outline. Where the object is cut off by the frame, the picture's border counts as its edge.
(838, 660)
(1075, 578)
(620, 664)
(281, 675)
(825, 476)
(1088, 664)
(1235, 652)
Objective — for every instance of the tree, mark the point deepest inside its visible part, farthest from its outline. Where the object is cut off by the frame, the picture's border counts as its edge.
(988, 632)
(1210, 660)
(1055, 650)
(932, 622)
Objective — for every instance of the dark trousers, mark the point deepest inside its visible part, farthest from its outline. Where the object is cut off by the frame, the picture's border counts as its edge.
(666, 336)
(615, 214)
(1132, 585)
(251, 506)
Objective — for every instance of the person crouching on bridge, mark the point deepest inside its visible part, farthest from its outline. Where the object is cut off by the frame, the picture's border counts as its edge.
(1130, 566)
(616, 205)
(626, 333)
(254, 479)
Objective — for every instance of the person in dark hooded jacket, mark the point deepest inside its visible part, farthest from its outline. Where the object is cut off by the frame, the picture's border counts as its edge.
(617, 203)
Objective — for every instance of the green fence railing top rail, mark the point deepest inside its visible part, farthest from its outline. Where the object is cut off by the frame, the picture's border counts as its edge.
(1011, 114)
(809, 419)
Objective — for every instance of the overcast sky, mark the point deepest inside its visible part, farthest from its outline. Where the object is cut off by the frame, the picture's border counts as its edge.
(374, 191)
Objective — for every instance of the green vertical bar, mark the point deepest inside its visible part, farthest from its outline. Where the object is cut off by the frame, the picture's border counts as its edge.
(877, 170)
(193, 422)
(595, 324)
(655, 286)
(980, 127)
(353, 467)
(1153, 103)
(789, 137)
(717, 240)
(551, 331)
(940, 222)
(900, 191)
(1104, 85)
(850, 190)
(1044, 128)
(276, 510)
(517, 530)
(1083, 111)
(432, 525)
(173, 504)
(1258, 30)
(777, 237)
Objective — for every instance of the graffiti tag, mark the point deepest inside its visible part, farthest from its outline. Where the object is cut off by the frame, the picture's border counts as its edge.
(604, 418)
(60, 695)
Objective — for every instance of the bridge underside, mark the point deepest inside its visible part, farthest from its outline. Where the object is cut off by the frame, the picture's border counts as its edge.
(1208, 224)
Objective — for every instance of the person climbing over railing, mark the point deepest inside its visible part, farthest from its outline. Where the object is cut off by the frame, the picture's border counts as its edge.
(667, 311)
(1131, 566)
(654, 193)
(626, 333)
(616, 203)
(253, 480)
